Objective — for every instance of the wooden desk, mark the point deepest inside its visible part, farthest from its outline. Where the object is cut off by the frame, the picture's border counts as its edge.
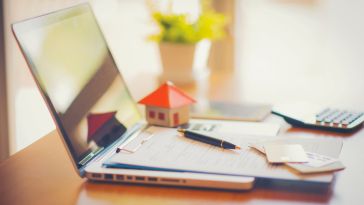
(43, 174)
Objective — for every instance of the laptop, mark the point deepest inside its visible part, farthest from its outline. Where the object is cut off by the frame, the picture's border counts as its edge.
(90, 103)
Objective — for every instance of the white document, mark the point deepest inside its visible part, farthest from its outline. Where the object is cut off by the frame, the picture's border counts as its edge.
(318, 160)
(167, 149)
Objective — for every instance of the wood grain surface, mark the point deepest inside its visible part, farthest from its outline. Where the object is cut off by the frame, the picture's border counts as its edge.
(43, 174)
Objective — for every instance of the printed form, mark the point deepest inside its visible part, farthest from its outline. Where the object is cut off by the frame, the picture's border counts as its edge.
(166, 149)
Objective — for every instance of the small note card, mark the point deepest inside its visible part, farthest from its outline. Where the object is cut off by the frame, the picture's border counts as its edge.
(318, 160)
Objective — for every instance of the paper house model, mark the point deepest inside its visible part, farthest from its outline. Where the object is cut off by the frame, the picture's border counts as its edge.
(104, 128)
(167, 106)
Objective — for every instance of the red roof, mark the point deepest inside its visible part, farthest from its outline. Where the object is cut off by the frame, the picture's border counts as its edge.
(95, 121)
(167, 96)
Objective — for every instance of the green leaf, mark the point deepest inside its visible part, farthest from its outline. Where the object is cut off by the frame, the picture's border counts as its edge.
(176, 28)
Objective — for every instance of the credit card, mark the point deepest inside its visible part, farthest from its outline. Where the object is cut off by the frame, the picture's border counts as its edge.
(283, 153)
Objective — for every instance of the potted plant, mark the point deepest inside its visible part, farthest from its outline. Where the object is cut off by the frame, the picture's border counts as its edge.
(185, 45)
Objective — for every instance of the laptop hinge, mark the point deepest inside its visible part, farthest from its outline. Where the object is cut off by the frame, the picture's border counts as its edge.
(90, 156)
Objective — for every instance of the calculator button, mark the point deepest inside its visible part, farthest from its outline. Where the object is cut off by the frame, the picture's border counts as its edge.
(344, 124)
(333, 115)
(343, 115)
(322, 113)
(347, 116)
(334, 124)
(319, 120)
(327, 120)
(330, 117)
(353, 117)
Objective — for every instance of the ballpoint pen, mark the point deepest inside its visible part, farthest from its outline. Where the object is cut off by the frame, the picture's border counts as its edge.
(208, 140)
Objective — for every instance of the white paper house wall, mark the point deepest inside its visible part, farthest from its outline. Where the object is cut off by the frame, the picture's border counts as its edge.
(167, 106)
(167, 117)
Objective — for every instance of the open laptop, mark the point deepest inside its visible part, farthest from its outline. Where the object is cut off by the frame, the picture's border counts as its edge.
(89, 101)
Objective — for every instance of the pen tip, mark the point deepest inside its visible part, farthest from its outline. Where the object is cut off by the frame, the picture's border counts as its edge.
(237, 147)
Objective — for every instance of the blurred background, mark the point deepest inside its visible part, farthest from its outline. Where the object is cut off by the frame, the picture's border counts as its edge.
(278, 51)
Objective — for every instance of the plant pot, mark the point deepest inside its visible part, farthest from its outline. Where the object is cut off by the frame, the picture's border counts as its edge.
(184, 64)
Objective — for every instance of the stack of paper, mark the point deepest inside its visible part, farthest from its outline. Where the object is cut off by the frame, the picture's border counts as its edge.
(167, 150)
(297, 158)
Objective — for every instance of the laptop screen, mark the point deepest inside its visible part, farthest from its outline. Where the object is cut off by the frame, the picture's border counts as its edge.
(78, 78)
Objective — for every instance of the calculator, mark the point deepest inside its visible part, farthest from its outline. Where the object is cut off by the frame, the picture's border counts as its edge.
(318, 117)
